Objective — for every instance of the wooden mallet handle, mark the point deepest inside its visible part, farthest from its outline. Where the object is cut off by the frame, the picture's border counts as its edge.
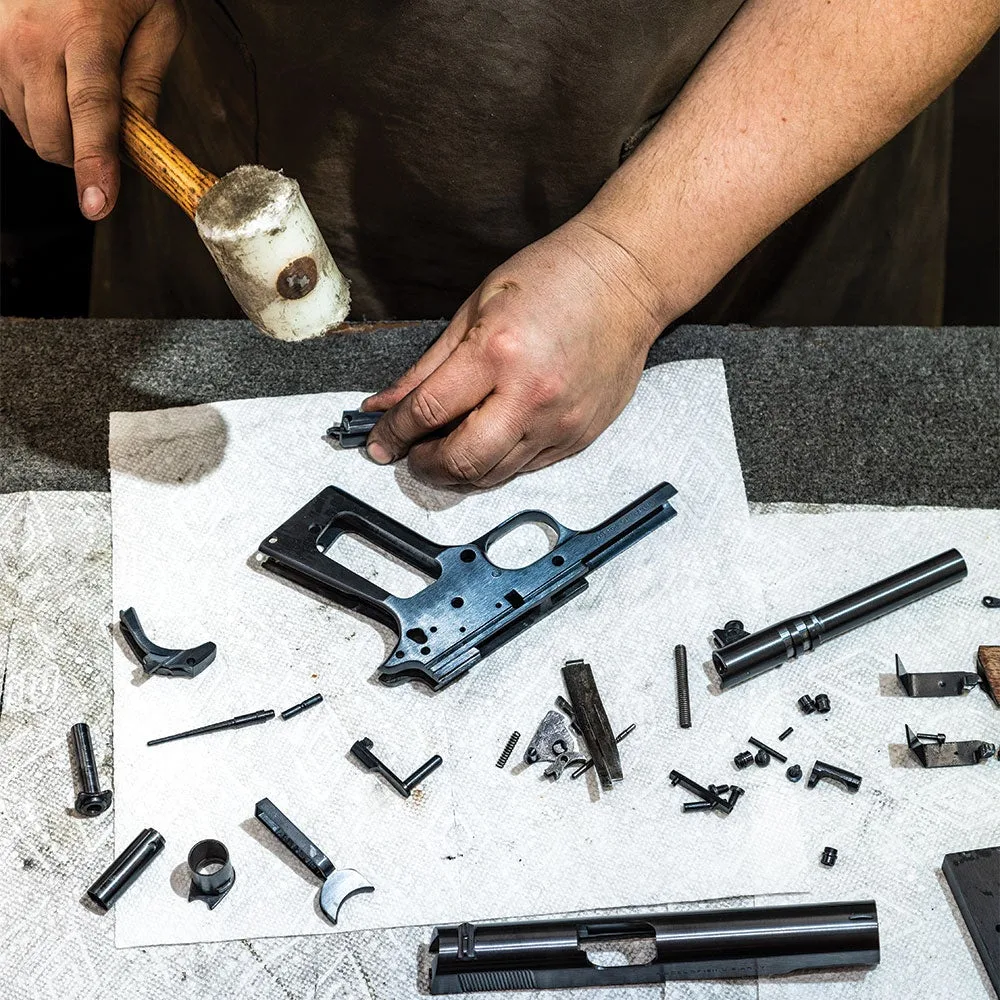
(161, 161)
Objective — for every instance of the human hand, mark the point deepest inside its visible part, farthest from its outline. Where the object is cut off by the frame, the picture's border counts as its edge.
(534, 366)
(64, 66)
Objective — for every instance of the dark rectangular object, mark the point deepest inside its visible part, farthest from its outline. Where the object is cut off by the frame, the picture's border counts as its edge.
(696, 944)
(974, 878)
(592, 720)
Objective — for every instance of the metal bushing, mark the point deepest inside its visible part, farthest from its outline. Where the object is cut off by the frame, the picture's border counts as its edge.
(212, 873)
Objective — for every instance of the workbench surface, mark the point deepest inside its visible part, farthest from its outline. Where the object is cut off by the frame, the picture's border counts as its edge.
(887, 416)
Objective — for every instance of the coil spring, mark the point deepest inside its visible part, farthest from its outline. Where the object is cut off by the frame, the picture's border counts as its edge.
(508, 749)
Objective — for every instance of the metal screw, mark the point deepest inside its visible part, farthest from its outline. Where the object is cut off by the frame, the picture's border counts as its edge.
(822, 703)
(807, 704)
(734, 794)
(91, 801)
(683, 694)
(508, 749)
(794, 773)
(936, 737)
(829, 857)
(696, 806)
(788, 732)
(991, 602)
(763, 758)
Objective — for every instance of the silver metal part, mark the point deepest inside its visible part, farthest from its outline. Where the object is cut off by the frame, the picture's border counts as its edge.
(935, 685)
(554, 743)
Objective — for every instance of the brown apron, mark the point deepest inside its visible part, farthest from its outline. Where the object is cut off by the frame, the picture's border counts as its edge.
(433, 140)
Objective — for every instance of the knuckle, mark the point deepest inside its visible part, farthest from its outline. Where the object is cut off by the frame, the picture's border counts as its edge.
(500, 346)
(428, 411)
(55, 152)
(91, 100)
(546, 388)
(27, 41)
(460, 467)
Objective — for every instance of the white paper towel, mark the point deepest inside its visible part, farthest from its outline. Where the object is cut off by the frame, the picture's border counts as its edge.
(195, 490)
(894, 833)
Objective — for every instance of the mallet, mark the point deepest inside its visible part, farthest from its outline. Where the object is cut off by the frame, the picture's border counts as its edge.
(258, 229)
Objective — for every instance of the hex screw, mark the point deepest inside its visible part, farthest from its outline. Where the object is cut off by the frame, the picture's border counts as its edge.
(683, 694)
(829, 857)
(91, 801)
(784, 736)
(822, 703)
(508, 749)
(794, 773)
(762, 758)
(807, 704)
(742, 760)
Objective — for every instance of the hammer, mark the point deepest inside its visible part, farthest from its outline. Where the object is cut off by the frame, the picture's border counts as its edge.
(258, 229)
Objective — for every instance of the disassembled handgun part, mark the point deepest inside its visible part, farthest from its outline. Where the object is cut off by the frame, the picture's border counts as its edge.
(354, 427)
(693, 944)
(784, 736)
(991, 602)
(683, 692)
(362, 751)
(238, 722)
(940, 754)
(988, 666)
(126, 868)
(935, 685)
(553, 742)
(794, 773)
(587, 765)
(807, 704)
(719, 789)
(974, 879)
(828, 857)
(852, 782)
(731, 632)
(696, 806)
(933, 737)
(212, 873)
(158, 660)
(734, 793)
(508, 749)
(754, 742)
(772, 646)
(705, 794)
(302, 706)
(743, 759)
(471, 606)
(339, 884)
(589, 714)
(822, 702)
(90, 800)
(762, 758)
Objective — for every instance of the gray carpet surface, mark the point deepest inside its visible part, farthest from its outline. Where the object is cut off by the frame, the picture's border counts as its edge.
(886, 415)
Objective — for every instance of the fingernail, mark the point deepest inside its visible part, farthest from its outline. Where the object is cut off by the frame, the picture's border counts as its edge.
(92, 201)
(378, 454)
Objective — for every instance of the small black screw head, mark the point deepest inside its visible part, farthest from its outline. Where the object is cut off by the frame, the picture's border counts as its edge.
(829, 857)
(794, 773)
(93, 803)
(822, 703)
(762, 758)
(744, 759)
(807, 704)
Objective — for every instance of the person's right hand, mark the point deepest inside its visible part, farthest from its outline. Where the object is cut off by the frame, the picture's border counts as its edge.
(64, 67)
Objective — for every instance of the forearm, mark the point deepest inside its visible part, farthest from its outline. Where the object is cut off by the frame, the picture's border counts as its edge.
(794, 94)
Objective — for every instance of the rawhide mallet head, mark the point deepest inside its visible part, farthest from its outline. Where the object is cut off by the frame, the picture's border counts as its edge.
(258, 229)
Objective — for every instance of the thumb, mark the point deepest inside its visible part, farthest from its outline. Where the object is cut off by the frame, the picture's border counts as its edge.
(147, 56)
(94, 96)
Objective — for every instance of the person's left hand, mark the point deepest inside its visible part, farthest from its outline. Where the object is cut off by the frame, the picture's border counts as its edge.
(535, 364)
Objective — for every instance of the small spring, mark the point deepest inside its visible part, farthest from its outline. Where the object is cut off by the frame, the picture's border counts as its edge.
(683, 694)
(508, 749)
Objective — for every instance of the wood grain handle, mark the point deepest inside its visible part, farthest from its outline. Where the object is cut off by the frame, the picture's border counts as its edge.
(161, 161)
